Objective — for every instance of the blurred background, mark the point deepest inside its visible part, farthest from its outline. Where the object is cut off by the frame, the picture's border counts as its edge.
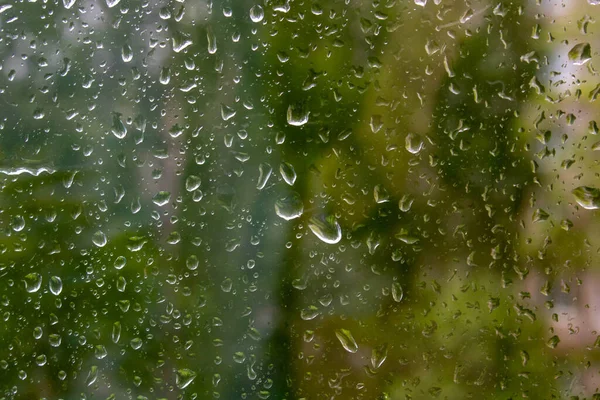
(299, 199)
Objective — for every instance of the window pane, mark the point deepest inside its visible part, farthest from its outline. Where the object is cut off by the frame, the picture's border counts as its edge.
(299, 199)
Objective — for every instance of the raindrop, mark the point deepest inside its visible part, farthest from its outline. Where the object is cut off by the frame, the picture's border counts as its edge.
(112, 3)
(297, 115)
(118, 128)
(184, 377)
(33, 281)
(326, 228)
(120, 262)
(397, 292)
(289, 207)
(256, 13)
(347, 340)
(287, 173)
(126, 53)
(587, 197)
(227, 112)
(264, 173)
(99, 239)
(55, 285)
(580, 53)
(192, 183)
(161, 198)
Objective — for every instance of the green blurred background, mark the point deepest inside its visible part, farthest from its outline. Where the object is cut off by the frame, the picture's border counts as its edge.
(175, 176)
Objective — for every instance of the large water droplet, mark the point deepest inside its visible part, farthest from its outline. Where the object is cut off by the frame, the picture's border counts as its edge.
(264, 173)
(347, 340)
(580, 53)
(120, 262)
(99, 239)
(587, 197)
(17, 223)
(192, 183)
(397, 292)
(55, 285)
(68, 3)
(297, 115)
(161, 198)
(326, 228)
(257, 13)
(289, 207)
(184, 377)
(288, 173)
(118, 128)
(181, 41)
(227, 112)
(126, 53)
(379, 355)
(33, 281)
(112, 3)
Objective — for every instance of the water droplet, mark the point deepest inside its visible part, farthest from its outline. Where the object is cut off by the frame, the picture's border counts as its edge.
(405, 203)
(347, 340)
(256, 13)
(136, 343)
(379, 355)
(326, 228)
(55, 285)
(397, 292)
(116, 332)
(99, 239)
(421, 3)
(181, 41)
(192, 262)
(68, 3)
(120, 262)
(212, 41)
(413, 143)
(33, 281)
(192, 183)
(587, 197)
(264, 173)
(54, 339)
(17, 223)
(580, 53)
(227, 112)
(289, 207)
(309, 313)
(126, 53)
(165, 75)
(92, 376)
(287, 173)
(184, 377)
(380, 194)
(112, 3)
(161, 198)
(118, 128)
(297, 115)
(100, 352)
